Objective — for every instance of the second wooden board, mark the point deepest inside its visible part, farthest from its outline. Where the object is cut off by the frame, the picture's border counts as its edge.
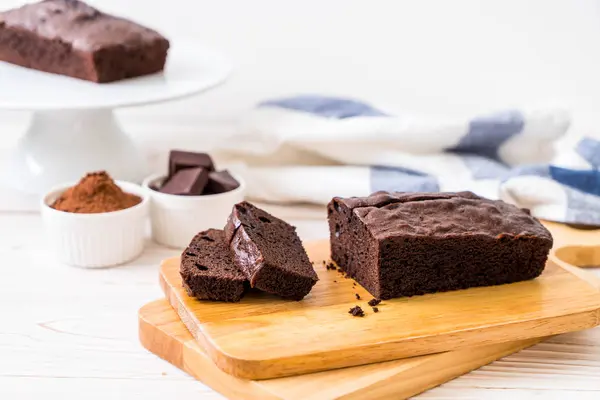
(162, 332)
(265, 337)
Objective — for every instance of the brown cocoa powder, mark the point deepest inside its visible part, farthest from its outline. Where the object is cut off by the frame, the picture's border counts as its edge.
(95, 193)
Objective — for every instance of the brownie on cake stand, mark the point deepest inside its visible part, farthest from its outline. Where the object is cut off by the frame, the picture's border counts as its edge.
(73, 129)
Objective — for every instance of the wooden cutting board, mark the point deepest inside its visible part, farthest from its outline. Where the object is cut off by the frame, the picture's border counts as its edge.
(573, 246)
(265, 337)
(163, 333)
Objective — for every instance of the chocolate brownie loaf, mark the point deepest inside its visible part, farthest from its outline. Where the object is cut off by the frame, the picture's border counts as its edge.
(68, 37)
(405, 244)
(207, 270)
(269, 252)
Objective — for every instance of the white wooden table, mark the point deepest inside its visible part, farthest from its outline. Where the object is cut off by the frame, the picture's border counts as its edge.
(73, 333)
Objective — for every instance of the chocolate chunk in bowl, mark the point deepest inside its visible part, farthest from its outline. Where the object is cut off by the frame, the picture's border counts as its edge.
(186, 182)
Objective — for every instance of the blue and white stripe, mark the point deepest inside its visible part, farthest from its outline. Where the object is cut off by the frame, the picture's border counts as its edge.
(348, 147)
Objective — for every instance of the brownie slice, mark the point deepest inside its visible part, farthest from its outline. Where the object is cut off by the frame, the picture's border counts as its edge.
(207, 270)
(69, 37)
(405, 244)
(269, 252)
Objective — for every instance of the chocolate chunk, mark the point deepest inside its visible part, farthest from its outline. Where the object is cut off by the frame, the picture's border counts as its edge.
(357, 296)
(220, 182)
(374, 302)
(356, 311)
(186, 182)
(375, 309)
(179, 160)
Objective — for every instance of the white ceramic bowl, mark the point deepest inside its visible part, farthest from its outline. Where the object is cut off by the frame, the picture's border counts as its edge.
(96, 240)
(176, 219)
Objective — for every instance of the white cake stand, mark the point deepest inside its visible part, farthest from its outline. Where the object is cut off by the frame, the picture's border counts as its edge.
(73, 129)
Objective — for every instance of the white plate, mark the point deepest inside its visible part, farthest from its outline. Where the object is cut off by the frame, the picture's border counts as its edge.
(191, 68)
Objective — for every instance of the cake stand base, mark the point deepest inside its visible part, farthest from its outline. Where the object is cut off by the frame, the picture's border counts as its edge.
(62, 145)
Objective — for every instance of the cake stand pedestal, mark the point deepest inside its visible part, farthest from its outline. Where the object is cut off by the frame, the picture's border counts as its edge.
(62, 145)
(73, 128)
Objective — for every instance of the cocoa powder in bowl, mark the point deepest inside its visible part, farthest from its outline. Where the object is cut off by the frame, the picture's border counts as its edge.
(95, 193)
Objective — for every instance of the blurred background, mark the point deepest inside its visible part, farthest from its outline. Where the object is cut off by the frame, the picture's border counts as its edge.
(431, 57)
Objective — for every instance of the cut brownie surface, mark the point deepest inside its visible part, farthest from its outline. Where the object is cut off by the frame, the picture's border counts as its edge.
(208, 271)
(71, 38)
(269, 252)
(404, 244)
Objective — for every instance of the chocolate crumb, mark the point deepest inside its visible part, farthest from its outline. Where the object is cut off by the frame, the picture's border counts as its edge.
(375, 309)
(330, 266)
(334, 281)
(357, 296)
(373, 302)
(356, 311)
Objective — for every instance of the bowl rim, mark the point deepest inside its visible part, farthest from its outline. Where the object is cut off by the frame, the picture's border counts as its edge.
(128, 187)
(175, 197)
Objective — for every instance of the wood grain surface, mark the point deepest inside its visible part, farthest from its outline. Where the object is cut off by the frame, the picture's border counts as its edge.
(573, 246)
(265, 337)
(163, 333)
(75, 332)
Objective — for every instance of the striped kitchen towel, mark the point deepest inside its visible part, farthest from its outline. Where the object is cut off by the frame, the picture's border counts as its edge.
(311, 148)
